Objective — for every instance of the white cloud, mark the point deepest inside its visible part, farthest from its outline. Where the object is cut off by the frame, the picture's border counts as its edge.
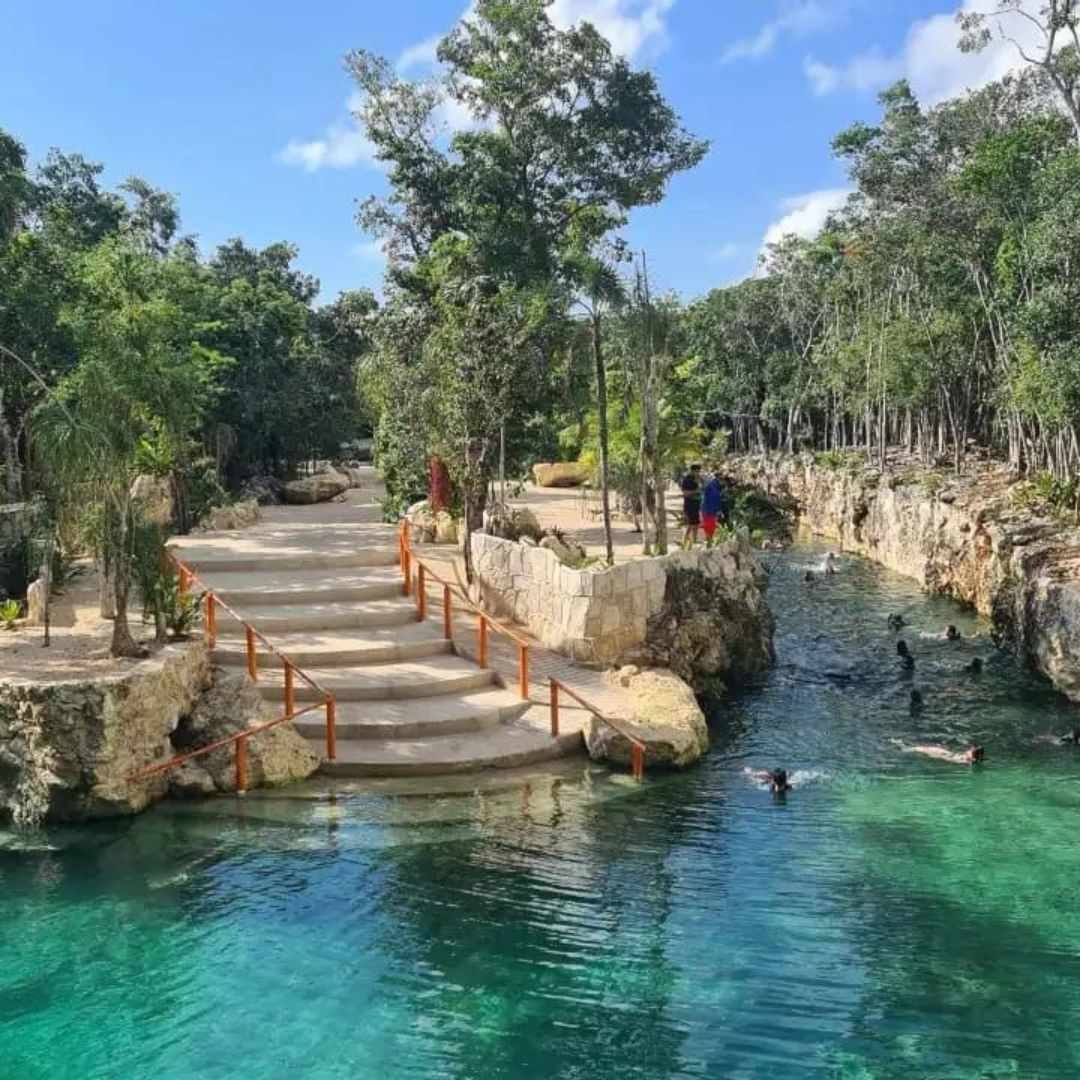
(804, 215)
(370, 251)
(795, 19)
(422, 54)
(343, 146)
(724, 252)
(930, 60)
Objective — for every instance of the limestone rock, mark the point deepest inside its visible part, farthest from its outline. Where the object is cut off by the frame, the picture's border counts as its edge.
(665, 715)
(36, 599)
(322, 487)
(239, 515)
(232, 704)
(153, 496)
(446, 528)
(422, 522)
(68, 749)
(560, 474)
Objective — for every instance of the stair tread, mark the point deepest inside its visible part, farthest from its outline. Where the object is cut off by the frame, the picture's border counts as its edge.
(344, 639)
(432, 669)
(445, 709)
(283, 582)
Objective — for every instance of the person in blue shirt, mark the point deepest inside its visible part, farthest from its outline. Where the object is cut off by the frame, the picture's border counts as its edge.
(713, 506)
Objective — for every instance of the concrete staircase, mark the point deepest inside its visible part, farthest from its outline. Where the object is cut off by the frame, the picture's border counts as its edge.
(323, 584)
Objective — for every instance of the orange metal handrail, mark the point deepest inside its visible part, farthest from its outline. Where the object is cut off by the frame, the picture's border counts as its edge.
(423, 572)
(637, 747)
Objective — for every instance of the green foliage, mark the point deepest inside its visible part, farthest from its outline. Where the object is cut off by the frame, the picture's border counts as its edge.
(10, 613)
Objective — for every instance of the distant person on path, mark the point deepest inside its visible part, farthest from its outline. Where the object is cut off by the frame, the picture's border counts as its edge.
(691, 490)
(973, 755)
(713, 506)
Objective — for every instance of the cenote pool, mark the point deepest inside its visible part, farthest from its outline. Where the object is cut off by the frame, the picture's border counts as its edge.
(894, 917)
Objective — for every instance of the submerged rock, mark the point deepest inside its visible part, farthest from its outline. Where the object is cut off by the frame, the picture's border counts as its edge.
(232, 704)
(666, 717)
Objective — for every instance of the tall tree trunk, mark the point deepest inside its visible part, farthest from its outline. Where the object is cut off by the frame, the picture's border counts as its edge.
(601, 408)
(123, 644)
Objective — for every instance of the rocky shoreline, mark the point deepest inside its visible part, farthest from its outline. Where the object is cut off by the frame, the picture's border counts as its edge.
(979, 538)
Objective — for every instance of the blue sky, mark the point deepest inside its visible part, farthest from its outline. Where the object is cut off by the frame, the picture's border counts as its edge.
(240, 108)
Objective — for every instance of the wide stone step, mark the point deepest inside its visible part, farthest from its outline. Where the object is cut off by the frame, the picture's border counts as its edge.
(274, 620)
(374, 682)
(419, 718)
(340, 648)
(521, 742)
(307, 586)
(214, 565)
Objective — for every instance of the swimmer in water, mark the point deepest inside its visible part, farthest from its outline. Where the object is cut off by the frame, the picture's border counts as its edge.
(777, 779)
(1072, 737)
(830, 564)
(951, 633)
(808, 577)
(896, 622)
(916, 702)
(973, 755)
(904, 653)
(975, 667)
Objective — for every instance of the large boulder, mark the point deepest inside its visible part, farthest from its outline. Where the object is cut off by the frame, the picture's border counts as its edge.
(279, 755)
(322, 487)
(561, 474)
(421, 522)
(238, 515)
(265, 490)
(153, 497)
(663, 713)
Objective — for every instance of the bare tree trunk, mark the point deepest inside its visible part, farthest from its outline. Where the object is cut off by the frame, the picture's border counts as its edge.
(123, 644)
(601, 408)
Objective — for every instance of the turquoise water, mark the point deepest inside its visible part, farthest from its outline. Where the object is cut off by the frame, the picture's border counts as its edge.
(895, 916)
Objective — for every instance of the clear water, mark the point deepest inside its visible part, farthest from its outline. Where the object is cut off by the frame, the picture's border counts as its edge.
(895, 916)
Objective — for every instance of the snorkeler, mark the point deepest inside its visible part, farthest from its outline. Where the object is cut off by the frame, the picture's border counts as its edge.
(896, 622)
(904, 653)
(951, 633)
(777, 779)
(973, 755)
(975, 667)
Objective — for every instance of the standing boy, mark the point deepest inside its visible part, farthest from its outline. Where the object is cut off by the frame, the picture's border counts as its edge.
(691, 490)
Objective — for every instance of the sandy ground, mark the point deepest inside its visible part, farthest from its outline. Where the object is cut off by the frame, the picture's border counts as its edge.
(80, 637)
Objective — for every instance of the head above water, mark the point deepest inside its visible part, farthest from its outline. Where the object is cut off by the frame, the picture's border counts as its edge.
(976, 666)
(902, 649)
(778, 781)
(951, 633)
(975, 754)
(896, 621)
(808, 576)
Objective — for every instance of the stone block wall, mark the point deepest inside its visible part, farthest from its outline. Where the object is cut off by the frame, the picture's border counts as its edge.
(597, 615)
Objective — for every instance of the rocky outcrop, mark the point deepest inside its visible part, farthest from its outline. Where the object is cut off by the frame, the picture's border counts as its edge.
(560, 474)
(238, 515)
(67, 749)
(701, 612)
(714, 623)
(666, 717)
(279, 755)
(322, 487)
(972, 538)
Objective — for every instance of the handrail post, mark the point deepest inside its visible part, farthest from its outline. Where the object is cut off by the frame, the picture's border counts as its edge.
(421, 592)
(554, 709)
(211, 621)
(447, 614)
(241, 765)
(290, 690)
(252, 656)
(482, 642)
(331, 729)
(523, 669)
